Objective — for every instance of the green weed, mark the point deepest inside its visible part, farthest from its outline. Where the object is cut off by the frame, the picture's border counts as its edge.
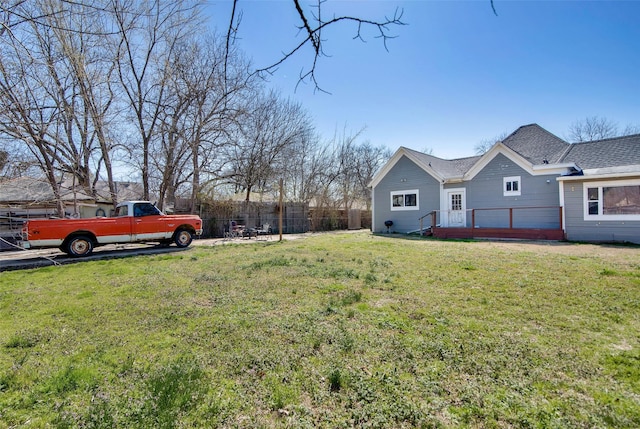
(335, 380)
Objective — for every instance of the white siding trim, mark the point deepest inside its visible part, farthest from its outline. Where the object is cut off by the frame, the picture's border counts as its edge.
(373, 211)
(377, 178)
(444, 204)
(564, 211)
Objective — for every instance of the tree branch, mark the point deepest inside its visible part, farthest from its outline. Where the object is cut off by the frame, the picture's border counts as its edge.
(313, 37)
(233, 29)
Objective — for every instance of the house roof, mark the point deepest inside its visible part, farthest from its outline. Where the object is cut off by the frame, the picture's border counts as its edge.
(30, 190)
(35, 191)
(125, 191)
(613, 152)
(537, 150)
(446, 168)
(537, 145)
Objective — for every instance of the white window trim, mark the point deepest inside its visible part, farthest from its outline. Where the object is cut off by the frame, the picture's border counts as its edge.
(506, 180)
(600, 185)
(405, 208)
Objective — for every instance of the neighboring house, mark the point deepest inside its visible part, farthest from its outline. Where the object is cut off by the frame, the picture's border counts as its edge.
(26, 197)
(531, 185)
(33, 197)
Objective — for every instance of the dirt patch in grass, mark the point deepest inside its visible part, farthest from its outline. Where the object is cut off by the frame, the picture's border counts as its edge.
(565, 248)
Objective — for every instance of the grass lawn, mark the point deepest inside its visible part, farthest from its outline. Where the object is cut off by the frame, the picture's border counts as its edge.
(336, 330)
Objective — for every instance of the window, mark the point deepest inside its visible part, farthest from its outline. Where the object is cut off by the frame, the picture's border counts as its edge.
(612, 200)
(511, 186)
(122, 211)
(145, 209)
(404, 200)
(593, 198)
(456, 202)
(621, 200)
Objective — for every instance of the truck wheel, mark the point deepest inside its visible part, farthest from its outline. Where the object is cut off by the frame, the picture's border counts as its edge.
(80, 245)
(183, 238)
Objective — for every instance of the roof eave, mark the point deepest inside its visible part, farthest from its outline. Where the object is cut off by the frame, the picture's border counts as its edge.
(498, 148)
(402, 151)
(627, 172)
(554, 168)
(457, 179)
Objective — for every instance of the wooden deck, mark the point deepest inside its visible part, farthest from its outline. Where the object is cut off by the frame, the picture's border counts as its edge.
(499, 233)
(508, 231)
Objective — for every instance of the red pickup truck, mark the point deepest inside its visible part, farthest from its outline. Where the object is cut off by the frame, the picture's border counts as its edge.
(134, 221)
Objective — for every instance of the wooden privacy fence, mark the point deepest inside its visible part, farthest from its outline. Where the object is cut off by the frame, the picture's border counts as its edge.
(296, 217)
(218, 215)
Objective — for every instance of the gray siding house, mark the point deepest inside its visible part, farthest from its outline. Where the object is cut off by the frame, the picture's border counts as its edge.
(531, 182)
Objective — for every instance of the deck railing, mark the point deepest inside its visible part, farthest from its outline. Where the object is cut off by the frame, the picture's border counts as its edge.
(431, 214)
(544, 217)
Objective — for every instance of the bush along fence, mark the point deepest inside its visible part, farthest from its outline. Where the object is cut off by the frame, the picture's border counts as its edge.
(296, 217)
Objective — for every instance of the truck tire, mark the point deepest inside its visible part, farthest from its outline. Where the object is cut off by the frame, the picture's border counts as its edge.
(80, 245)
(183, 237)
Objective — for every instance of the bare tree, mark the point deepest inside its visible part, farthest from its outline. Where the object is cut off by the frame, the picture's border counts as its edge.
(345, 168)
(58, 75)
(202, 105)
(631, 129)
(219, 116)
(90, 68)
(4, 162)
(484, 145)
(218, 87)
(346, 159)
(148, 33)
(15, 161)
(369, 160)
(38, 99)
(356, 164)
(271, 126)
(78, 79)
(592, 128)
(308, 161)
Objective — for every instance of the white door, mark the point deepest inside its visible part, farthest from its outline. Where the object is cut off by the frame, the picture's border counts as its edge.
(457, 212)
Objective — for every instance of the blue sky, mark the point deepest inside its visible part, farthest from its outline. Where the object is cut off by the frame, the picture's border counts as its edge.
(456, 74)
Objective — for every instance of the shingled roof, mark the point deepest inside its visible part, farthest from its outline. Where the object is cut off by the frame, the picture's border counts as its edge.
(537, 145)
(29, 190)
(35, 191)
(446, 168)
(613, 152)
